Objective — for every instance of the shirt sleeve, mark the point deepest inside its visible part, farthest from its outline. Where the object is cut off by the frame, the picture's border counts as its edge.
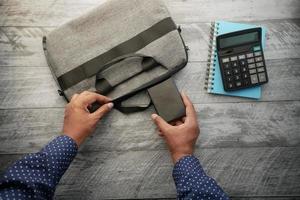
(36, 175)
(192, 182)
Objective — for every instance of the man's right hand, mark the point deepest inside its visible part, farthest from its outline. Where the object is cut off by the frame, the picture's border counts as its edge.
(182, 135)
(79, 123)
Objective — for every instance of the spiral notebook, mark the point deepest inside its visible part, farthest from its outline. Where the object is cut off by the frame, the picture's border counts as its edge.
(214, 82)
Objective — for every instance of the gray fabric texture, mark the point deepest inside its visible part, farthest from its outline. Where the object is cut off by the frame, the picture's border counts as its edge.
(103, 28)
(122, 70)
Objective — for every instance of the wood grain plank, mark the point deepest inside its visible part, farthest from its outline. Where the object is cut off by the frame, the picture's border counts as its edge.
(274, 197)
(283, 39)
(22, 46)
(59, 2)
(53, 12)
(191, 79)
(262, 124)
(242, 172)
(24, 87)
(32, 87)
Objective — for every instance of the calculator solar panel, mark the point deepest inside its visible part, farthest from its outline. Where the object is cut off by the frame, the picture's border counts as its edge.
(241, 59)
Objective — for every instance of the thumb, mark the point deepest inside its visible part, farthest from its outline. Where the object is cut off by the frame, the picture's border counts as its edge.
(160, 122)
(105, 108)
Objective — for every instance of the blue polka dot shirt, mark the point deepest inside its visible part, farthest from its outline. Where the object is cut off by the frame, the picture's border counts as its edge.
(37, 175)
(192, 182)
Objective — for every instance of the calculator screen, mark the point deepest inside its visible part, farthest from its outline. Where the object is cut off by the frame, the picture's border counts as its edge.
(239, 39)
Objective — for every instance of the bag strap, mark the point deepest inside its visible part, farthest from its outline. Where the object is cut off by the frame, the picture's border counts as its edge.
(124, 109)
(103, 86)
(134, 44)
(118, 101)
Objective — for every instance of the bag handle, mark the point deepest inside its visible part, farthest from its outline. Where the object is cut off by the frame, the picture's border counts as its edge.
(118, 101)
(103, 86)
(121, 108)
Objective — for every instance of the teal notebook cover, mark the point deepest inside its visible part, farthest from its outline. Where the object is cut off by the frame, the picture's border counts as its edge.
(214, 80)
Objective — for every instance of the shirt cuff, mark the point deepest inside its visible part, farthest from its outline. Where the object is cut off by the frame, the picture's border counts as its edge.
(61, 144)
(60, 152)
(185, 166)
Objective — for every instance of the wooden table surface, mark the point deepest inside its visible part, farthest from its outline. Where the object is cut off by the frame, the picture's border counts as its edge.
(252, 148)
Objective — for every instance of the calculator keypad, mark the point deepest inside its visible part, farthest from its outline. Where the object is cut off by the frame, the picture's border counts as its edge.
(244, 70)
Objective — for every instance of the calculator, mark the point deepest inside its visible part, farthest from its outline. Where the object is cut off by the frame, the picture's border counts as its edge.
(241, 59)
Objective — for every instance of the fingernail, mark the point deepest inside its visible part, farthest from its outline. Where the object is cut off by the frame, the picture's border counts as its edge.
(182, 92)
(110, 105)
(153, 116)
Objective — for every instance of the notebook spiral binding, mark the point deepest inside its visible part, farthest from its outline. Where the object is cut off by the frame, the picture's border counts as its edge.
(212, 56)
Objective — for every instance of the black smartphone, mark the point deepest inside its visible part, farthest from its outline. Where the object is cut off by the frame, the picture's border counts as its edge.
(167, 100)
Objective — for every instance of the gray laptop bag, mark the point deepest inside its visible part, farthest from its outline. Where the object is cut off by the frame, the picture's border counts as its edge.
(119, 49)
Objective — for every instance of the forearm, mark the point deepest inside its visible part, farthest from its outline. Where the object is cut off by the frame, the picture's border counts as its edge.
(36, 175)
(192, 182)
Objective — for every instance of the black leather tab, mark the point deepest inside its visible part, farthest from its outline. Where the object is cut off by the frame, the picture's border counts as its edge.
(130, 109)
(167, 100)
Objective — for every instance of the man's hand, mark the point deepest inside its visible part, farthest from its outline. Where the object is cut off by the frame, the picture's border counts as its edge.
(79, 123)
(181, 136)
